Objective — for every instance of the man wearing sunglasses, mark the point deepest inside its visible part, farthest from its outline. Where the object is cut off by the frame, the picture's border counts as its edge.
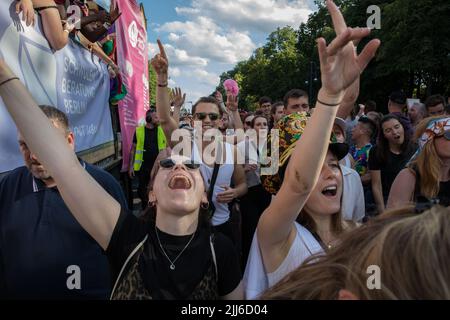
(207, 111)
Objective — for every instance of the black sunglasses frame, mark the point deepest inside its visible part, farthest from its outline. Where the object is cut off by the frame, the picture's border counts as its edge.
(202, 116)
(169, 164)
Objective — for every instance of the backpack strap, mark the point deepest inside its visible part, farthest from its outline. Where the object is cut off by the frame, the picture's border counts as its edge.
(213, 252)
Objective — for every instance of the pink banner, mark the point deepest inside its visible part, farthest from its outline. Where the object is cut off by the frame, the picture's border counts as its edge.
(132, 53)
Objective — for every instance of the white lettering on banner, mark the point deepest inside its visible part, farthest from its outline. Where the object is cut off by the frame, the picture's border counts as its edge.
(85, 130)
(74, 106)
(73, 87)
(76, 69)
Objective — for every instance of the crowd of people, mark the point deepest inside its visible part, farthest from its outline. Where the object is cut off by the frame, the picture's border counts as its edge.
(352, 189)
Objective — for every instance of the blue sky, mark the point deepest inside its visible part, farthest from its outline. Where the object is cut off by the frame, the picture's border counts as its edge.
(204, 38)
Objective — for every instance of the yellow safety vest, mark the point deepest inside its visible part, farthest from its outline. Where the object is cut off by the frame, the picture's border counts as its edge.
(140, 137)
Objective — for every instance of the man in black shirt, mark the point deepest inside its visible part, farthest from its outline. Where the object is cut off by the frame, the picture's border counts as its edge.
(148, 141)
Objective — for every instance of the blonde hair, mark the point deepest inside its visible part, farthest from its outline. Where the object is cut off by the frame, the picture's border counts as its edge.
(412, 251)
(427, 163)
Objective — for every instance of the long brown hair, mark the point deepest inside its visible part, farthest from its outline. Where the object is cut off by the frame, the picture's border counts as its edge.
(412, 251)
(427, 163)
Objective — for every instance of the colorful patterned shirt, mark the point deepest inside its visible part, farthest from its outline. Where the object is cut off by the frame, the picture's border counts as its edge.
(361, 157)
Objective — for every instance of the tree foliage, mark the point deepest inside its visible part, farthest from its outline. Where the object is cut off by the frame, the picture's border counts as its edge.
(414, 55)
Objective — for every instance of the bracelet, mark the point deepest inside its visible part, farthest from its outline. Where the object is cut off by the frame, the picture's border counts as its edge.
(164, 85)
(328, 104)
(8, 80)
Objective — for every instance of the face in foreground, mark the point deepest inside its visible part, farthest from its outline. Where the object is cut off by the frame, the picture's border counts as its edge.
(178, 189)
(325, 198)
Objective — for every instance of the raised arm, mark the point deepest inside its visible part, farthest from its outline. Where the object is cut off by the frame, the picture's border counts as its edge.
(52, 25)
(232, 107)
(340, 67)
(161, 65)
(93, 207)
(402, 190)
(178, 99)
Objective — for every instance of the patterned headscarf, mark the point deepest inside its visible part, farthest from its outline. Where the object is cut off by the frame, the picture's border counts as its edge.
(435, 128)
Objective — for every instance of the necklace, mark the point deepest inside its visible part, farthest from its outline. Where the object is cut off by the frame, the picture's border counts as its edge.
(172, 263)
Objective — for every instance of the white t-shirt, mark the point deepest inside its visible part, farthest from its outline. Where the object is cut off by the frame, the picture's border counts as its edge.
(353, 206)
(256, 280)
(224, 176)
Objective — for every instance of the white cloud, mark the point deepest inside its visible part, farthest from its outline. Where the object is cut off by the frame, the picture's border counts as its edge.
(205, 77)
(204, 38)
(174, 72)
(176, 56)
(261, 16)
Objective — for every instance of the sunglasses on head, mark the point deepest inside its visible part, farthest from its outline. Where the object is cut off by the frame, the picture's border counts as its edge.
(169, 164)
(446, 135)
(212, 116)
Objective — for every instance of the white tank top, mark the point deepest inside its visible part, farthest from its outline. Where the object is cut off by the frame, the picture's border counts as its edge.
(222, 213)
(256, 280)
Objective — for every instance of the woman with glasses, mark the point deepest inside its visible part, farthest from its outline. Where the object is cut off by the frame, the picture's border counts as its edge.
(174, 255)
(427, 177)
(223, 176)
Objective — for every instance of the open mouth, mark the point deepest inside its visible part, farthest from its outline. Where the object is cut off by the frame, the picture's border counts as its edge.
(330, 191)
(179, 182)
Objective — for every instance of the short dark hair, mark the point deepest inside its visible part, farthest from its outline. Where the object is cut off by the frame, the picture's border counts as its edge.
(369, 124)
(56, 115)
(434, 100)
(398, 97)
(294, 93)
(207, 100)
(370, 106)
(264, 99)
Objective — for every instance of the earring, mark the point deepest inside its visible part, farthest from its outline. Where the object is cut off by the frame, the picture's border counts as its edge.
(151, 204)
(205, 205)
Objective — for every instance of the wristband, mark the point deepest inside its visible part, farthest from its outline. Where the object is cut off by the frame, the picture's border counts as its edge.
(8, 80)
(328, 104)
(164, 85)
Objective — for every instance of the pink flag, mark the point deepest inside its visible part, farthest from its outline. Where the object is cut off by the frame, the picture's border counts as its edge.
(132, 56)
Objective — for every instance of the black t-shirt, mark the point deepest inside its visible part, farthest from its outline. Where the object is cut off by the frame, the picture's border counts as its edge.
(390, 169)
(150, 147)
(191, 266)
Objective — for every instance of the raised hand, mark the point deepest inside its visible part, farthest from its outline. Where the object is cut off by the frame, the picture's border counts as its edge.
(26, 6)
(218, 96)
(160, 62)
(178, 98)
(339, 63)
(232, 102)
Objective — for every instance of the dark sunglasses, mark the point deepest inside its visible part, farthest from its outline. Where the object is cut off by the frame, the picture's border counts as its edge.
(202, 116)
(169, 164)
